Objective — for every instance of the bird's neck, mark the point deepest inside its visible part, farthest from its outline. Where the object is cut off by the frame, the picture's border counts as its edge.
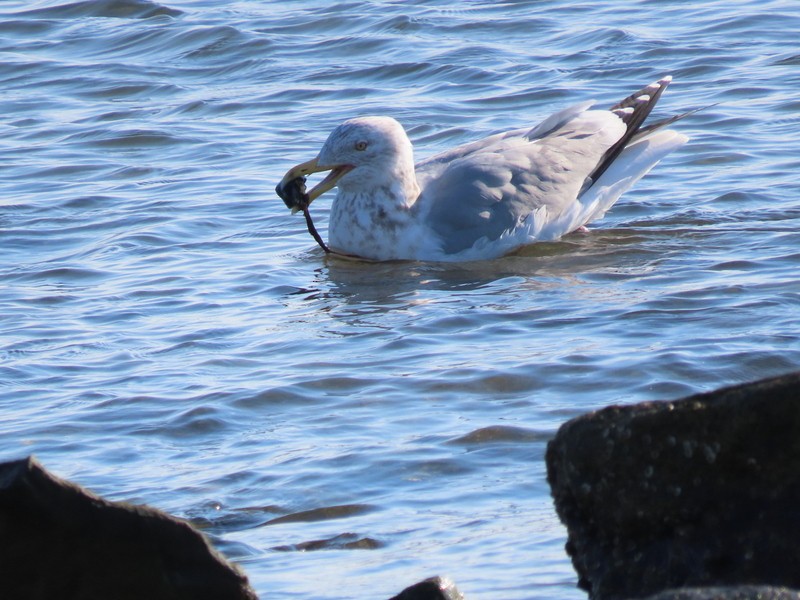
(396, 185)
(404, 188)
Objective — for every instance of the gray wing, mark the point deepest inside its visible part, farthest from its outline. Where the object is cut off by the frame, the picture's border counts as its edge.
(488, 187)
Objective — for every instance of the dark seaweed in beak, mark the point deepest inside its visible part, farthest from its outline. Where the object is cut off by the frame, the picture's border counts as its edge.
(293, 193)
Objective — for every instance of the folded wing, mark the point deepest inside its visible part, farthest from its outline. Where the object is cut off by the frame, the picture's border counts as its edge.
(482, 191)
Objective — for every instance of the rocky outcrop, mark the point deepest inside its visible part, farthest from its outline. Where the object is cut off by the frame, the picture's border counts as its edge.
(57, 540)
(60, 541)
(702, 491)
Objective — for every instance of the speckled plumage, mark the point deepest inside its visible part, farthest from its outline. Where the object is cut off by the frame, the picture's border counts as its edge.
(487, 198)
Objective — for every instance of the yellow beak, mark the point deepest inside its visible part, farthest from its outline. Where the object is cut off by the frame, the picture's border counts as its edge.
(307, 168)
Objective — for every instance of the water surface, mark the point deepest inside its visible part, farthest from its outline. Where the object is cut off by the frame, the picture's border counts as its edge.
(171, 335)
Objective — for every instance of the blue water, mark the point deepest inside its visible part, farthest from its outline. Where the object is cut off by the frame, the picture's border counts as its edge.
(170, 335)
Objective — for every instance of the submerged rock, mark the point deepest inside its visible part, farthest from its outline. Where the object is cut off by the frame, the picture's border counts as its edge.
(434, 588)
(61, 541)
(702, 491)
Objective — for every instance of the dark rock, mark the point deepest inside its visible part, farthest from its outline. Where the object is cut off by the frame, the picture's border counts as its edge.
(743, 592)
(434, 588)
(704, 491)
(60, 541)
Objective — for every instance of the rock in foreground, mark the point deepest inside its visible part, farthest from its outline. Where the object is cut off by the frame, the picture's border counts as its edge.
(741, 592)
(703, 491)
(60, 541)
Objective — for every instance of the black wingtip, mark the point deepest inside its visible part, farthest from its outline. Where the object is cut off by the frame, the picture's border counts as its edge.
(632, 110)
(642, 102)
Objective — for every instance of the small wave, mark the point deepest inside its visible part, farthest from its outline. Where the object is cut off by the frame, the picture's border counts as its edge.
(326, 513)
(495, 434)
(119, 9)
(343, 541)
(198, 421)
(66, 274)
(131, 138)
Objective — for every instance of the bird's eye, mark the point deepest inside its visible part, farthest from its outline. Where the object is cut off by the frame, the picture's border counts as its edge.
(361, 146)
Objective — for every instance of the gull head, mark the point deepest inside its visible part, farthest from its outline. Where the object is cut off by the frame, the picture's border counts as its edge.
(361, 154)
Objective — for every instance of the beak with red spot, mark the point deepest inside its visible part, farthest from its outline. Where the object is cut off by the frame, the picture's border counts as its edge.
(293, 193)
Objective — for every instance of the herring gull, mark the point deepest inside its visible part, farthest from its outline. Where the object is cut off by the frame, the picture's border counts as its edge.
(487, 198)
